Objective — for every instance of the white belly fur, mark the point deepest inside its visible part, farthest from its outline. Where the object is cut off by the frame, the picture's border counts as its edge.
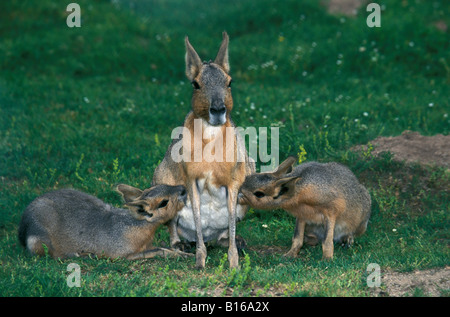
(214, 214)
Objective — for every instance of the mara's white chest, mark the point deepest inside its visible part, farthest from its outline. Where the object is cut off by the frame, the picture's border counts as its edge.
(213, 211)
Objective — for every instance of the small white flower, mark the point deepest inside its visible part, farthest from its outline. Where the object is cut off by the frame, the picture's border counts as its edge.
(264, 225)
(430, 104)
(365, 114)
(362, 49)
(252, 106)
(86, 99)
(394, 230)
(411, 44)
(304, 73)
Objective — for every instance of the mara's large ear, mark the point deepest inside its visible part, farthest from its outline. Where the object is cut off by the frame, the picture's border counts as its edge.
(222, 56)
(285, 167)
(128, 192)
(286, 180)
(193, 61)
(287, 185)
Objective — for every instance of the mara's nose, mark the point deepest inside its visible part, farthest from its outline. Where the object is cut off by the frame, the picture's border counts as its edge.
(217, 109)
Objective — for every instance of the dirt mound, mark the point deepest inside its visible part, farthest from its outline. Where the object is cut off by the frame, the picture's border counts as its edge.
(433, 282)
(413, 147)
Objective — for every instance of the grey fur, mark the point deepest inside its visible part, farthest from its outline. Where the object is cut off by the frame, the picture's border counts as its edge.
(317, 194)
(72, 223)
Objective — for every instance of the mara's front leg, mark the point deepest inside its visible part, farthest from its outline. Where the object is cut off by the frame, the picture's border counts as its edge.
(327, 244)
(297, 240)
(175, 240)
(233, 256)
(200, 253)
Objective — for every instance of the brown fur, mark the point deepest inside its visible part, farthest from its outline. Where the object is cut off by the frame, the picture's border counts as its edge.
(212, 103)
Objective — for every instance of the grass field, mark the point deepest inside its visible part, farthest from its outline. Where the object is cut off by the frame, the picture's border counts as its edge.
(94, 106)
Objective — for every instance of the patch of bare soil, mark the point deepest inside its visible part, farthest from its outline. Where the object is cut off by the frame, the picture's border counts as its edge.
(433, 282)
(413, 147)
(345, 7)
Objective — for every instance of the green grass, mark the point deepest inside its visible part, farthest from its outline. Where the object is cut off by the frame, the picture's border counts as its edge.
(94, 106)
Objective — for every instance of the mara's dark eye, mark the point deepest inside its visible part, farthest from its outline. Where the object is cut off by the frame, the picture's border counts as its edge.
(195, 84)
(229, 84)
(163, 204)
(141, 210)
(259, 194)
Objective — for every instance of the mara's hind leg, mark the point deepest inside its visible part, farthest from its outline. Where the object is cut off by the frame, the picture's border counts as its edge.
(241, 244)
(347, 241)
(311, 239)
